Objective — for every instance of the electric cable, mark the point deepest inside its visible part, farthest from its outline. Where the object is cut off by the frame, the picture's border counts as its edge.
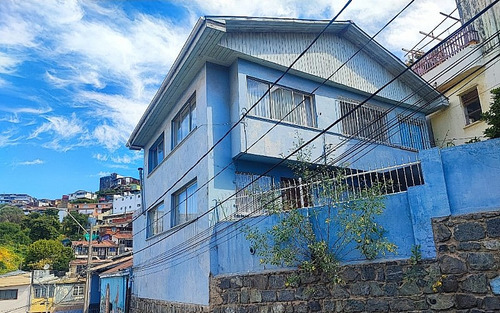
(311, 93)
(311, 139)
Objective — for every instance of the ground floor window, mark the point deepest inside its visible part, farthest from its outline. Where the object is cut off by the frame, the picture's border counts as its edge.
(472, 106)
(8, 294)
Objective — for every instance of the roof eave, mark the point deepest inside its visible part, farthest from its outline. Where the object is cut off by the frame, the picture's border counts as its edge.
(192, 38)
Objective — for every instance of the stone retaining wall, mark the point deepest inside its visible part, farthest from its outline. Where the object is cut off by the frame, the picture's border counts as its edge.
(464, 278)
(143, 305)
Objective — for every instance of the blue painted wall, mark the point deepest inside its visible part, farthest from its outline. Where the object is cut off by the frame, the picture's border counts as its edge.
(176, 268)
(449, 189)
(117, 293)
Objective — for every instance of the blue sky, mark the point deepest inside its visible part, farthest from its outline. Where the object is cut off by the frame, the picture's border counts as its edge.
(76, 76)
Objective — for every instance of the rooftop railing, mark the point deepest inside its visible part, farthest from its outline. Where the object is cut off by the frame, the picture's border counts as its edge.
(448, 49)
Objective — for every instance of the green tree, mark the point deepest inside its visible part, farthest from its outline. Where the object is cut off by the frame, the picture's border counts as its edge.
(71, 229)
(492, 116)
(52, 212)
(10, 214)
(13, 235)
(315, 239)
(41, 226)
(51, 252)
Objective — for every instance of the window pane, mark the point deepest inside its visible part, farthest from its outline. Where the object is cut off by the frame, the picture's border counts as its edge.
(256, 90)
(193, 117)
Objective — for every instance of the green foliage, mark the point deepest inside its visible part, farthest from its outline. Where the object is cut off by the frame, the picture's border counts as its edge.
(13, 235)
(41, 226)
(492, 117)
(52, 212)
(51, 252)
(71, 229)
(84, 201)
(10, 214)
(294, 241)
(416, 255)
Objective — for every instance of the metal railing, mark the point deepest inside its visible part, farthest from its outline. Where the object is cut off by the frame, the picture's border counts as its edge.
(452, 46)
(350, 184)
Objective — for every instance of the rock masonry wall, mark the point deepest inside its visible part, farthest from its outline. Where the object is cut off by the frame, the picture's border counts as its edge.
(464, 278)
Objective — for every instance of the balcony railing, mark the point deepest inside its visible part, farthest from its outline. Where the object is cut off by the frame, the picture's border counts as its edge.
(294, 193)
(443, 52)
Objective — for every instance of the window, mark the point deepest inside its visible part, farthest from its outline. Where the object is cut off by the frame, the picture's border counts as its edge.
(413, 133)
(295, 194)
(184, 122)
(78, 290)
(155, 220)
(185, 204)
(368, 122)
(156, 154)
(472, 106)
(279, 102)
(41, 291)
(250, 199)
(8, 294)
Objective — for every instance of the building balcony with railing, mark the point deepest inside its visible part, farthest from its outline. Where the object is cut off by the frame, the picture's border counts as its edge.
(460, 41)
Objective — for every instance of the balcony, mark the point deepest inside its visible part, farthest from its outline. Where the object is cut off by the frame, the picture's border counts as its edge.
(465, 37)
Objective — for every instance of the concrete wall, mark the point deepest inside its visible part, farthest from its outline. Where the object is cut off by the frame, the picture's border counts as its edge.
(19, 305)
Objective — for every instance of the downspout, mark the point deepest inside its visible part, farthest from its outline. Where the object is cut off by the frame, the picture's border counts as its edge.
(141, 179)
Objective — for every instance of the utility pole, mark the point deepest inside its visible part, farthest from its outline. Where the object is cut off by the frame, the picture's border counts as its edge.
(86, 298)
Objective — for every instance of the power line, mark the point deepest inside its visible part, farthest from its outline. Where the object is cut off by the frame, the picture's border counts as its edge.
(177, 253)
(311, 93)
(308, 142)
(253, 106)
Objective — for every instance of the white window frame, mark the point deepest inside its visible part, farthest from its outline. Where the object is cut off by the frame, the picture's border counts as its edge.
(154, 220)
(300, 105)
(185, 204)
(186, 115)
(156, 154)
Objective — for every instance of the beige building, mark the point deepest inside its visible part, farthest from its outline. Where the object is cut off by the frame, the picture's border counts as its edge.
(465, 69)
(15, 292)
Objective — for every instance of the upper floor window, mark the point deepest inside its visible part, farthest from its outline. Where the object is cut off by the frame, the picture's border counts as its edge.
(185, 204)
(8, 294)
(156, 154)
(184, 122)
(413, 133)
(78, 290)
(154, 220)
(472, 106)
(368, 122)
(281, 101)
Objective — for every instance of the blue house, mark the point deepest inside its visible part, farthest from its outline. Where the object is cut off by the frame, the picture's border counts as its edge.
(224, 68)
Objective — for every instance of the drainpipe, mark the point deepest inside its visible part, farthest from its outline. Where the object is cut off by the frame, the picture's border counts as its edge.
(141, 178)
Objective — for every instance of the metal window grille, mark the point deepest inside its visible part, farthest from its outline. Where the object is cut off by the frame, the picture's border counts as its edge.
(367, 122)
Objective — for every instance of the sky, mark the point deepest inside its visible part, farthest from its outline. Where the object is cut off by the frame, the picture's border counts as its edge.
(76, 76)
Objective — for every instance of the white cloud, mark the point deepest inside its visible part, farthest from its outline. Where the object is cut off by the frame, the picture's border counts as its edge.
(60, 126)
(33, 162)
(100, 157)
(9, 137)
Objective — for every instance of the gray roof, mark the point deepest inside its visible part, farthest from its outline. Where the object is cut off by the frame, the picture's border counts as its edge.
(203, 45)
